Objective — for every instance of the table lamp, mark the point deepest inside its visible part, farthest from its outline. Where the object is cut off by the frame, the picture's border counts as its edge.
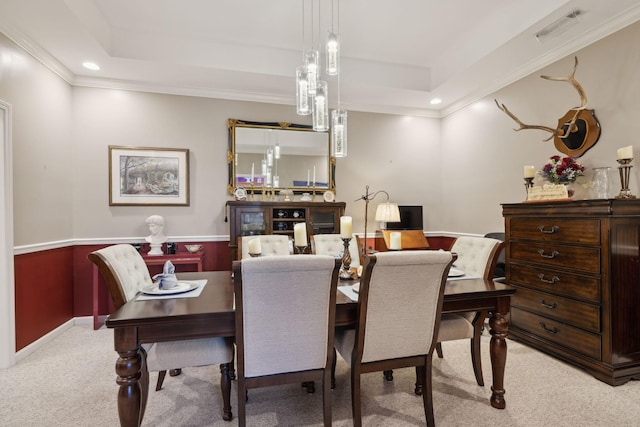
(386, 212)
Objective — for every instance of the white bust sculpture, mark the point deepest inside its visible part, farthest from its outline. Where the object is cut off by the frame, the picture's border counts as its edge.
(157, 237)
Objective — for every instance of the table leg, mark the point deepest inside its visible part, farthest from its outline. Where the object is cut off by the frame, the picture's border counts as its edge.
(498, 350)
(133, 379)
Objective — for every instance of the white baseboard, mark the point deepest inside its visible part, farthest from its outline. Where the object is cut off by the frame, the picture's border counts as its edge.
(34, 346)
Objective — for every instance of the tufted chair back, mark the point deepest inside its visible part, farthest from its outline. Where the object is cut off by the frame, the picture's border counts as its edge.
(271, 244)
(331, 244)
(477, 256)
(124, 271)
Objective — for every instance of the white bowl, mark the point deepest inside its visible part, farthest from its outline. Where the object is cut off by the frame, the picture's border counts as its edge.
(193, 248)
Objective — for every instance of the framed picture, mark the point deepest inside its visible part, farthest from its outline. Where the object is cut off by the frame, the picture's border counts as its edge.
(148, 176)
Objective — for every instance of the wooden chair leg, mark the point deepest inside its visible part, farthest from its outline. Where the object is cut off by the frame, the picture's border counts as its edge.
(333, 369)
(439, 350)
(388, 375)
(419, 388)
(326, 397)
(356, 407)
(161, 375)
(175, 372)
(309, 386)
(476, 358)
(225, 389)
(242, 401)
(427, 393)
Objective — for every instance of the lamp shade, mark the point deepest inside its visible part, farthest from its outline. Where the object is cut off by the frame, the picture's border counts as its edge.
(388, 212)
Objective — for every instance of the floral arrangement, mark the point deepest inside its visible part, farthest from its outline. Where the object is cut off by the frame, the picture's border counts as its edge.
(561, 170)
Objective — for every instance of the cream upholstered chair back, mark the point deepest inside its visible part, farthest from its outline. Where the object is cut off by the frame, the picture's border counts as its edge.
(124, 270)
(332, 244)
(270, 244)
(402, 294)
(285, 303)
(477, 256)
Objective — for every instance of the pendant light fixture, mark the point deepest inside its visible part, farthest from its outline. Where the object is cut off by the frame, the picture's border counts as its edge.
(338, 116)
(333, 46)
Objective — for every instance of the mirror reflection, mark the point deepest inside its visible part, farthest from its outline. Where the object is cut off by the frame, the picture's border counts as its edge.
(279, 156)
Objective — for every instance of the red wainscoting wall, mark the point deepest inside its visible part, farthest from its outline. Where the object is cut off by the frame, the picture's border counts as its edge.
(44, 292)
(56, 285)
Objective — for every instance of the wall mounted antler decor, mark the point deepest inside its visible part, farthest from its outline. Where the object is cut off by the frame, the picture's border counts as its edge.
(577, 131)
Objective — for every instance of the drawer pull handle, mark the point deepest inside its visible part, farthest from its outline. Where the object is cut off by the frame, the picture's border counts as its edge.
(553, 254)
(551, 331)
(553, 229)
(549, 306)
(553, 280)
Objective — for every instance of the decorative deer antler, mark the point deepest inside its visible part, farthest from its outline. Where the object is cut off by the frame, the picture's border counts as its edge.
(572, 136)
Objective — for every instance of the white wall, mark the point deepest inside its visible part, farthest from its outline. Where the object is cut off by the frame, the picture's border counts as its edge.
(460, 168)
(483, 157)
(42, 147)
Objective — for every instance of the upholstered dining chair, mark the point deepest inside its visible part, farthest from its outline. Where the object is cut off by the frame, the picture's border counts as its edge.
(285, 321)
(399, 309)
(270, 244)
(476, 257)
(125, 273)
(332, 244)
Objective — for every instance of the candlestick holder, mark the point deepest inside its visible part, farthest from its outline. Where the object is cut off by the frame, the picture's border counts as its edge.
(528, 183)
(345, 274)
(625, 170)
(313, 194)
(253, 197)
(301, 249)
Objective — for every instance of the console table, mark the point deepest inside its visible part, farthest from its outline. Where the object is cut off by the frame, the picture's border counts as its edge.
(182, 258)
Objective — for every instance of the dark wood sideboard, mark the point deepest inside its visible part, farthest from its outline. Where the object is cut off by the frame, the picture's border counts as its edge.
(576, 267)
(249, 218)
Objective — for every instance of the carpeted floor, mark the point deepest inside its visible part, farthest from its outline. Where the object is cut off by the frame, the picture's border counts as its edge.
(71, 382)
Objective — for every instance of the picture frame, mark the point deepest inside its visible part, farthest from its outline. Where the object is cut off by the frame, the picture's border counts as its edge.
(148, 176)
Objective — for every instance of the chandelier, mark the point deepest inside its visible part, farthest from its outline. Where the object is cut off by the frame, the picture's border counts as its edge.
(312, 93)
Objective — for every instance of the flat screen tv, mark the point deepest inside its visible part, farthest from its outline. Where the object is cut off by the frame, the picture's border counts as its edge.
(410, 219)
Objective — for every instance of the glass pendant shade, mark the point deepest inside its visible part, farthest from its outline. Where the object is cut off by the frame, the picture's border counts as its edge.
(270, 156)
(276, 151)
(313, 72)
(333, 58)
(302, 91)
(320, 114)
(339, 133)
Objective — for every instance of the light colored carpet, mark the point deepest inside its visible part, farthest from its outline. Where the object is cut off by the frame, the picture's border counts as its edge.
(71, 382)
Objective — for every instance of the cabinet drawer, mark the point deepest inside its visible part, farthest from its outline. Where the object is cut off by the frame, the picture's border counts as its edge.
(576, 339)
(582, 315)
(585, 231)
(558, 282)
(574, 257)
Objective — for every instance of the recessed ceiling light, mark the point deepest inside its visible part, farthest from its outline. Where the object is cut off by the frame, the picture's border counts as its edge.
(436, 101)
(91, 66)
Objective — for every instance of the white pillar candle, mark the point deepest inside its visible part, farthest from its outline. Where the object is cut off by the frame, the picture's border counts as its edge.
(529, 171)
(625, 153)
(253, 166)
(300, 234)
(307, 177)
(254, 246)
(346, 227)
(314, 175)
(395, 240)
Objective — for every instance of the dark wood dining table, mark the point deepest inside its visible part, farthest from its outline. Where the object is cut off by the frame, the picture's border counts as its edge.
(211, 314)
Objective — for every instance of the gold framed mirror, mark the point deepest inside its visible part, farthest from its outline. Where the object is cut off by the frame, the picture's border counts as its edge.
(279, 156)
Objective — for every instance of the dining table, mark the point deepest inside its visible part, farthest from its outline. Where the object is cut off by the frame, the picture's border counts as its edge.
(211, 314)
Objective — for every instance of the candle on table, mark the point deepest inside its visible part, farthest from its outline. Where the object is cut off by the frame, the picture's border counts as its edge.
(300, 234)
(395, 241)
(529, 171)
(253, 166)
(346, 227)
(625, 153)
(314, 176)
(307, 177)
(254, 246)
